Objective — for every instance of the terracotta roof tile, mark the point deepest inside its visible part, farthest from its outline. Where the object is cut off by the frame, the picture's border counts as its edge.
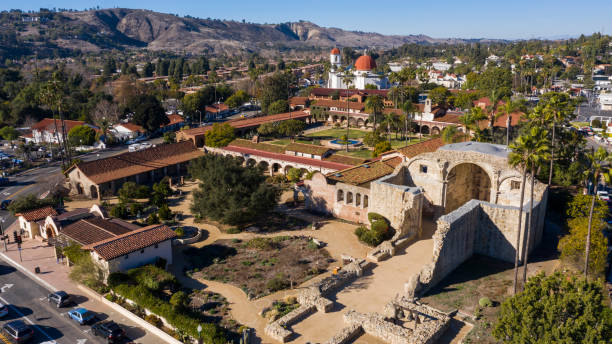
(38, 214)
(306, 148)
(448, 118)
(252, 122)
(174, 119)
(328, 92)
(132, 241)
(94, 229)
(338, 104)
(362, 175)
(298, 101)
(48, 124)
(426, 146)
(289, 158)
(267, 147)
(345, 159)
(132, 163)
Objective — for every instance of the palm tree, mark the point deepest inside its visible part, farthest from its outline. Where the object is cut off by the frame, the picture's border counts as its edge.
(51, 95)
(390, 121)
(347, 79)
(471, 118)
(557, 108)
(599, 166)
(539, 154)
(519, 158)
(375, 105)
(409, 110)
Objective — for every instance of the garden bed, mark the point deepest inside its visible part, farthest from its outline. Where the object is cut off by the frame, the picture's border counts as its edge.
(270, 223)
(259, 266)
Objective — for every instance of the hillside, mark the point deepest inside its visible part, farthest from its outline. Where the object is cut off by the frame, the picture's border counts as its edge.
(62, 33)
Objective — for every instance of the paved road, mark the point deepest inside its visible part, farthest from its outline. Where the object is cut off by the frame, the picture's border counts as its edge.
(26, 301)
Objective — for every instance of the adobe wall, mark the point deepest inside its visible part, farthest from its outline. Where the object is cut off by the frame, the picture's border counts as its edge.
(323, 197)
(401, 205)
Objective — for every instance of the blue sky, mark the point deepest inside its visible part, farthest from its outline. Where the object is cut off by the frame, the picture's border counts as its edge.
(510, 19)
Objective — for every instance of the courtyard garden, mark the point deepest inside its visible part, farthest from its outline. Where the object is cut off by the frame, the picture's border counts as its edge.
(259, 266)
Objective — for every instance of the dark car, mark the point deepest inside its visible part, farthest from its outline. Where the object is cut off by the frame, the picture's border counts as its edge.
(18, 331)
(109, 330)
(4, 205)
(59, 298)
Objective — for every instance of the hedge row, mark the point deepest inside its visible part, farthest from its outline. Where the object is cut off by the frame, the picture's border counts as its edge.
(180, 318)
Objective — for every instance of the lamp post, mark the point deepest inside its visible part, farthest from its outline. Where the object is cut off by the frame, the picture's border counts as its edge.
(199, 334)
(2, 231)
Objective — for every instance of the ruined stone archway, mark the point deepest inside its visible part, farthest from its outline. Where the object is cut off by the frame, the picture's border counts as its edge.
(465, 182)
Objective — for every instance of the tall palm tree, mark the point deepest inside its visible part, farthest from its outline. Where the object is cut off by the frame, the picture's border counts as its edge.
(599, 167)
(408, 108)
(519, 158)
(557, 109)
(540, 151)
(471, 118)
(390, 121)
(347, 79)
(375, 105)
(51, 95)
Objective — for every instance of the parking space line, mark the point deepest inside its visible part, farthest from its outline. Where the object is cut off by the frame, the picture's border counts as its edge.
(27, 319)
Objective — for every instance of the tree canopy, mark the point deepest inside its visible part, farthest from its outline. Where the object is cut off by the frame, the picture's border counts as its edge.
(220, 135)
(555, 309)
(29, 202)
(82, 135)
(229, 192)
(148, 112)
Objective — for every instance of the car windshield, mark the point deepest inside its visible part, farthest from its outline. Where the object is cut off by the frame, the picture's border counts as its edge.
(87, 314)
(23, 332)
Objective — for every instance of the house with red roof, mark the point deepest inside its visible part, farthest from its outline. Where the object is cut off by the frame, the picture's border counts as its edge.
(51, 130)
(127, 131)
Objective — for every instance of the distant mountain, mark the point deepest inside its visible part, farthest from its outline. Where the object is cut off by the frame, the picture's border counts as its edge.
(120, 28)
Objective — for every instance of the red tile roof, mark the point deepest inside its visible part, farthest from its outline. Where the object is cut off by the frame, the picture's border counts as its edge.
(328, 92)
(38, 214)
(306, 148)
(48, 124)
(338, 104)
(502, 120)
(293, 101)
(290, 158)
(252, 122)
(132, 241)
(132, 127)
(174, 119)
(132, 163)
(216, 108)
(362, 175)
(448, 118)
(426, 146)
(94, 229)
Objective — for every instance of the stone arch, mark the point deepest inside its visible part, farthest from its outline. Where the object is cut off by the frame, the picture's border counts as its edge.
(79, 188)
(251, 162)
(425, 129)
(353, 122)
(49, 232)
(365, 201)
(349, 198)
(340, 196)
(335, 118)
(360, 123)
(435, 131)
(93, 190)
(357, 199)
(464, 182)
(240, 159)
(276, 167)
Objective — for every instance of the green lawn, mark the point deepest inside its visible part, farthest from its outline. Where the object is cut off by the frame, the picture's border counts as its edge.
(362, 153)
(337, 133)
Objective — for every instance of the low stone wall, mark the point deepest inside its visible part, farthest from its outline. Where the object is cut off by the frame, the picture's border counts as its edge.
(427, 332)
(187, 241)
(278, 329)
(347, 335)
(375, 324)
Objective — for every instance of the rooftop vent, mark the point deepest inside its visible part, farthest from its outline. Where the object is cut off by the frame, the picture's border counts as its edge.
(365, 166)
(338, 174)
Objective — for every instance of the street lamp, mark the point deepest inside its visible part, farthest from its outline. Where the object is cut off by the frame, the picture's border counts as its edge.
(199, 334)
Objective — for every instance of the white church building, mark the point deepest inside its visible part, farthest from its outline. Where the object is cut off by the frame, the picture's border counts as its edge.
(360, 75)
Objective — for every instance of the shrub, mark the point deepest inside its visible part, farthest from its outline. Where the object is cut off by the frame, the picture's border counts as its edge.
(117, 278)
(152, 277)
(161, 263)
(380, 148)
(154, 320)
(179, 299)
(119, 210)
(368, 236)
(180, 232)
(152, 219)
(135, 208)
(380, 226)
(485, 302)
(164, 212)
(279, 282)
(375, 217)
(233, 230)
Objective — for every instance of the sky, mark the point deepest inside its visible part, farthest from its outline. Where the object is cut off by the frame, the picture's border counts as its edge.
(509, 19)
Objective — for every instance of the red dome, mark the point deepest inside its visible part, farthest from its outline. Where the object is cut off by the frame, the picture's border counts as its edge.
(335, 51)
(365, 62)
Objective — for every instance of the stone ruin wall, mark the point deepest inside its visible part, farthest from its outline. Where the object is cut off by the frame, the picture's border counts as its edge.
(401, 205)
(479, 227)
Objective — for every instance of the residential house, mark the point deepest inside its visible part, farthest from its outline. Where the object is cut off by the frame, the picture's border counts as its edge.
(307, 151)
(127, 131)
(216, 111)
(176, 122)
(30, 221)
(49, 130)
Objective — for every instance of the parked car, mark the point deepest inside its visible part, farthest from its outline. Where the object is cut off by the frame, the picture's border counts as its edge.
(18, 331)
(4, 181)
(3, 310)
(82, 316)
(109, 330)
(59, 298)
(4, 205)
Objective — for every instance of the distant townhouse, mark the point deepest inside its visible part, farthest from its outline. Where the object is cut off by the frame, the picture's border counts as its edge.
(127, 131)
(30, 220)
(216, 111)
(175, 122)
(49, 130)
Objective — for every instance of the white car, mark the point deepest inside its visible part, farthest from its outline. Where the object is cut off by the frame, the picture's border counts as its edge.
(3, 310)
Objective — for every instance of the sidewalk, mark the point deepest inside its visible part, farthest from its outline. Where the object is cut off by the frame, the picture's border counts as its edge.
(54, 275)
